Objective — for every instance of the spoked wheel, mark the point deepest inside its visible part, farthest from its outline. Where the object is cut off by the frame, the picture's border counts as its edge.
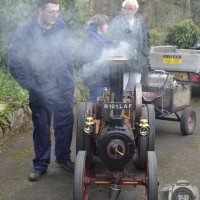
(151, 177)
(188, 121)
(138, 101)
(81, 175)
(83, 142)
(151, 117)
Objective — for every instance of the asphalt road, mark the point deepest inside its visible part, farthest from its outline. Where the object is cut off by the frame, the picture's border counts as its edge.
(177, 156)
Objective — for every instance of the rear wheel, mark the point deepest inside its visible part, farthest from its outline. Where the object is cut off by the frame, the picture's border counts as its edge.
(188, 121)
(142, 143)
(151, 117)
(151, 177)
(81, 175)
(83, 142)
(141, 151)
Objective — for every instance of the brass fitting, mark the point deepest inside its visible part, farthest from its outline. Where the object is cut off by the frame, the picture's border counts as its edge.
(144, 127)
(89, 126)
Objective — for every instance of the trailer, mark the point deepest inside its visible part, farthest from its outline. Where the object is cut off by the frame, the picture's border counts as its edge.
(183, 64)
(171, 99)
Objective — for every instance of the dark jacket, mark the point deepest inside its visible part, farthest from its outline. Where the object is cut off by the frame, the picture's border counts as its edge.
(92, 66)
(40, 60)
(136, 36)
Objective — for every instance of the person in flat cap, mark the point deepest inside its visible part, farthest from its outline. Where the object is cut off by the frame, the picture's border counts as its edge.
(129, 28)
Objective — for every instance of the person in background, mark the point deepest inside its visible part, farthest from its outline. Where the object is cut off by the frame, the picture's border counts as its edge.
(40, 60)
(92, 65)
(128, 28)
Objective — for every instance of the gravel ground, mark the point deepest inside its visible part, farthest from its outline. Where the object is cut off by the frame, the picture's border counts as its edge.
(177, 156)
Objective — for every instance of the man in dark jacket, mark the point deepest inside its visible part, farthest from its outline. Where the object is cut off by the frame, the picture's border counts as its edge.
(39, 59)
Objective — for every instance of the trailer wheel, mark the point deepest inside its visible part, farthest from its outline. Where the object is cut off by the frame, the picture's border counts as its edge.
(151, 117)
(81, 175)
(141, 151)
(83, 142)
(151, 177)
(188, 121)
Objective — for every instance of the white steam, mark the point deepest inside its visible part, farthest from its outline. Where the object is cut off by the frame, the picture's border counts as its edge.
(101, 64)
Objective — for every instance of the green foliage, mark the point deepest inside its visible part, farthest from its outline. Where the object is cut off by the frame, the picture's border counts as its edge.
(76, 16)
(11, 91)
(81, 92)
(156, 37)
(183, 34)
(12, 96)
(12, 15)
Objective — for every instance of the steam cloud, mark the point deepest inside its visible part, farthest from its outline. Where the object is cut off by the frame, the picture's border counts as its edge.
(120, 51)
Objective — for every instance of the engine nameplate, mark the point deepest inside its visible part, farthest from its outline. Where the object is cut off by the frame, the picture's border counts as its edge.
(118, 106)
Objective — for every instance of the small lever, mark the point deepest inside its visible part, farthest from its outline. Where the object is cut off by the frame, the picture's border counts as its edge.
(119, 152)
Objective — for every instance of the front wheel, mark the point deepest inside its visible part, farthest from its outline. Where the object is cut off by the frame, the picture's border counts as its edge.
(151, 177)
(83, 142)
(81, 175)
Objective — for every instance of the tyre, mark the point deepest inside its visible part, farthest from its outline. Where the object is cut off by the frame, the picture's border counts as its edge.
(141, 152)
(83, 142)
(151, 117)
(142, 143)
(151, 177)
(81, 175)
(188, 121)
(146, 143)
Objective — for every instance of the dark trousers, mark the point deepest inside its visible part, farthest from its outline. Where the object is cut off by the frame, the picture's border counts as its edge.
(62, 112)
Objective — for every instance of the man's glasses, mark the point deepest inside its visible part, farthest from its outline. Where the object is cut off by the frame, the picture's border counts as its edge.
(52, 12)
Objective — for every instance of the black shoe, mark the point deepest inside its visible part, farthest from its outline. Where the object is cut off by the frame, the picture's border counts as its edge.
(35, 175)
(68, 165)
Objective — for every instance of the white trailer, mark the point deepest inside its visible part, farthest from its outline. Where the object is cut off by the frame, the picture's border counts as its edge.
(183, 64)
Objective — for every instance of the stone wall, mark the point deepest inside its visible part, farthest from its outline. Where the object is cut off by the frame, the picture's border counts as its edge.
(17, 120)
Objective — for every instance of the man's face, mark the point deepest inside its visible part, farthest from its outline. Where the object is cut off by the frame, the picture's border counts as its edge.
(49, 14)
(130, 9)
